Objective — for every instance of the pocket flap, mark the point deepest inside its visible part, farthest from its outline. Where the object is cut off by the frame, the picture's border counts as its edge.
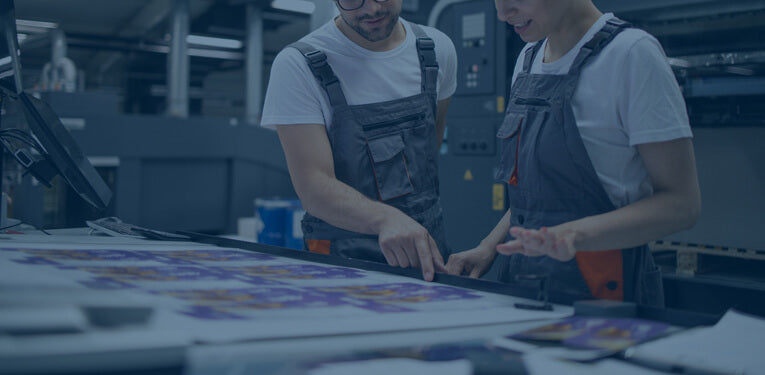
(384, 148)
(511, 124)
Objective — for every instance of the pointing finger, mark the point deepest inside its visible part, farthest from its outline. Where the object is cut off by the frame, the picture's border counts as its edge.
(438, 260)
(426, 260)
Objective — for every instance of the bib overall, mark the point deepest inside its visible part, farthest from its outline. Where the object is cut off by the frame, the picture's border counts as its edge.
(551, 180)
(387, 151)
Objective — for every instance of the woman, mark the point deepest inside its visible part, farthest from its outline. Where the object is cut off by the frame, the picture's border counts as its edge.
(597, 155)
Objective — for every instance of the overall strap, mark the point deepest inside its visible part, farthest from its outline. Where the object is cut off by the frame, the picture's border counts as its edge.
(528, 58)
(606, 34)
(317, 62)
(428, 64)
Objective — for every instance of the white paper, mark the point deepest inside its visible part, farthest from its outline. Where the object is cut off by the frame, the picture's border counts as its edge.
(559, 352)
(514, 345)
(541, 364)
(389, 366)
(732, 346)
(224, 295)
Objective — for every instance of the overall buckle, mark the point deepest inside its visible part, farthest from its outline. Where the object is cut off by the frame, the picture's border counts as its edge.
(320, 68)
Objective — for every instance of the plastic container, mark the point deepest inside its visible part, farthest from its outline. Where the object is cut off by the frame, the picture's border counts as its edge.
(271, 213)
(279, 222)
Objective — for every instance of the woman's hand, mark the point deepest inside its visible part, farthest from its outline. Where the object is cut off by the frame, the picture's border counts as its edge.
(474, 262)
(557, 244)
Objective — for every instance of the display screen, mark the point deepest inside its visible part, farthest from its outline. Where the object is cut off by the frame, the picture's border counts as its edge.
(58, 145)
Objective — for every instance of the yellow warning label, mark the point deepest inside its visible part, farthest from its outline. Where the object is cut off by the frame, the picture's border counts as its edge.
(498, 197)
(468, 175)
(500, 104)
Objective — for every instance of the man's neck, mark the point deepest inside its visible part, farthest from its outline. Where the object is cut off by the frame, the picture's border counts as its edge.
(392, 41)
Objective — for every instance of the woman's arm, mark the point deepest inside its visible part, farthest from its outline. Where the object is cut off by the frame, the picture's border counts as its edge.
(674, 206)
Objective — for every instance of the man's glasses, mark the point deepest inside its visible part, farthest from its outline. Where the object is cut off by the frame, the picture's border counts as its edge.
(353, 4)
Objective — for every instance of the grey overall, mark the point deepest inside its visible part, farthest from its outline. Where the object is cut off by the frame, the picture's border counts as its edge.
(551, 180)
(387, 151)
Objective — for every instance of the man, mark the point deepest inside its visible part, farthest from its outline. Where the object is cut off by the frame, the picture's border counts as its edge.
(360, 106)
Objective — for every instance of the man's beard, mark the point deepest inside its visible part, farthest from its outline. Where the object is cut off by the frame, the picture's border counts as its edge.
(376, 34)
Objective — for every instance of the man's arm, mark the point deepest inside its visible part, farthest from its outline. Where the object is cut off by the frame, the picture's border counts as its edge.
(441, 108)
(403, 241)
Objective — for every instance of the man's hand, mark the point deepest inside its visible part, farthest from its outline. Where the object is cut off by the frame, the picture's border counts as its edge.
(403, 241)
(474, 262)
(557, 244)
(406, 243)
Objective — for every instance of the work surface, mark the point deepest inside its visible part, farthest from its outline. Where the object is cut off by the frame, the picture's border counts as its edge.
(201, 295)
(92, 303)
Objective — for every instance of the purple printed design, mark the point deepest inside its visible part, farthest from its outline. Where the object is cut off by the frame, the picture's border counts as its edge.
(235, 303)
(179, 257)
(395, 297)
(295, 272)
(617, 334)
(596, 333)
(384, 298)
(269, 291)
(127, 277)
(560, 330)
(204, 256)
(57, 256)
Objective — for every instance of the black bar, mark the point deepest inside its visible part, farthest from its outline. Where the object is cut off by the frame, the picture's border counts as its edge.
(672, 316)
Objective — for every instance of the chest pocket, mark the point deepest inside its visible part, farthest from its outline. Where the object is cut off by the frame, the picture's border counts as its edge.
(389, 164)
(519, 133)
(510, 134)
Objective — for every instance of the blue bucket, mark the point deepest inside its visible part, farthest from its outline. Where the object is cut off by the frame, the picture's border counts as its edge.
(280, 222)
(271, 214)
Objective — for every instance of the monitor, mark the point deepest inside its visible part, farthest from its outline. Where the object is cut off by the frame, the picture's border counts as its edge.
(58, 146)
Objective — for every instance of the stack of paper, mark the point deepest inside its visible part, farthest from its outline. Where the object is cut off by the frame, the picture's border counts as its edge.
(732, 346)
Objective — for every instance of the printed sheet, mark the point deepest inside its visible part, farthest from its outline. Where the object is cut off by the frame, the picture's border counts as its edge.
(223, 294)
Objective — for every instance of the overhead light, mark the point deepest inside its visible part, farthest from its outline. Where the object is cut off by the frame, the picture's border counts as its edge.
(21, 37)
(739, 70)
(214, 42)
(36, 24)
(300, 6)
(680, 63)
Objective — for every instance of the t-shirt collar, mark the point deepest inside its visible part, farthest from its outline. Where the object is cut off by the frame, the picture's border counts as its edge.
(568, 58)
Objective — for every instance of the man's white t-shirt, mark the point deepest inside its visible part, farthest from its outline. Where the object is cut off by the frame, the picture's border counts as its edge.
(294, 95)
(627, 95)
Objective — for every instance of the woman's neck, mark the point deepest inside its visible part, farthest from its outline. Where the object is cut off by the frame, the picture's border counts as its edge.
(574, 24)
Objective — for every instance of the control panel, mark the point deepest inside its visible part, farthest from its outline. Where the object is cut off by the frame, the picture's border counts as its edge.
(474, 41)
(472, 137)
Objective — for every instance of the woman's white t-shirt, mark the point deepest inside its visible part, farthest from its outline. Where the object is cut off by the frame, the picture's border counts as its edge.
(627, 95)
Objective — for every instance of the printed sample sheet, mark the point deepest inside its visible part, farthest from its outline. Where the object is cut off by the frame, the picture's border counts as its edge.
(223, 295)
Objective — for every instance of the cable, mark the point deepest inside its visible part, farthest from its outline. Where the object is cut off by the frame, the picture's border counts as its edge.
(6, 145)
(19, 131)
(23, 137)
(11, 226)
(21, 222)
